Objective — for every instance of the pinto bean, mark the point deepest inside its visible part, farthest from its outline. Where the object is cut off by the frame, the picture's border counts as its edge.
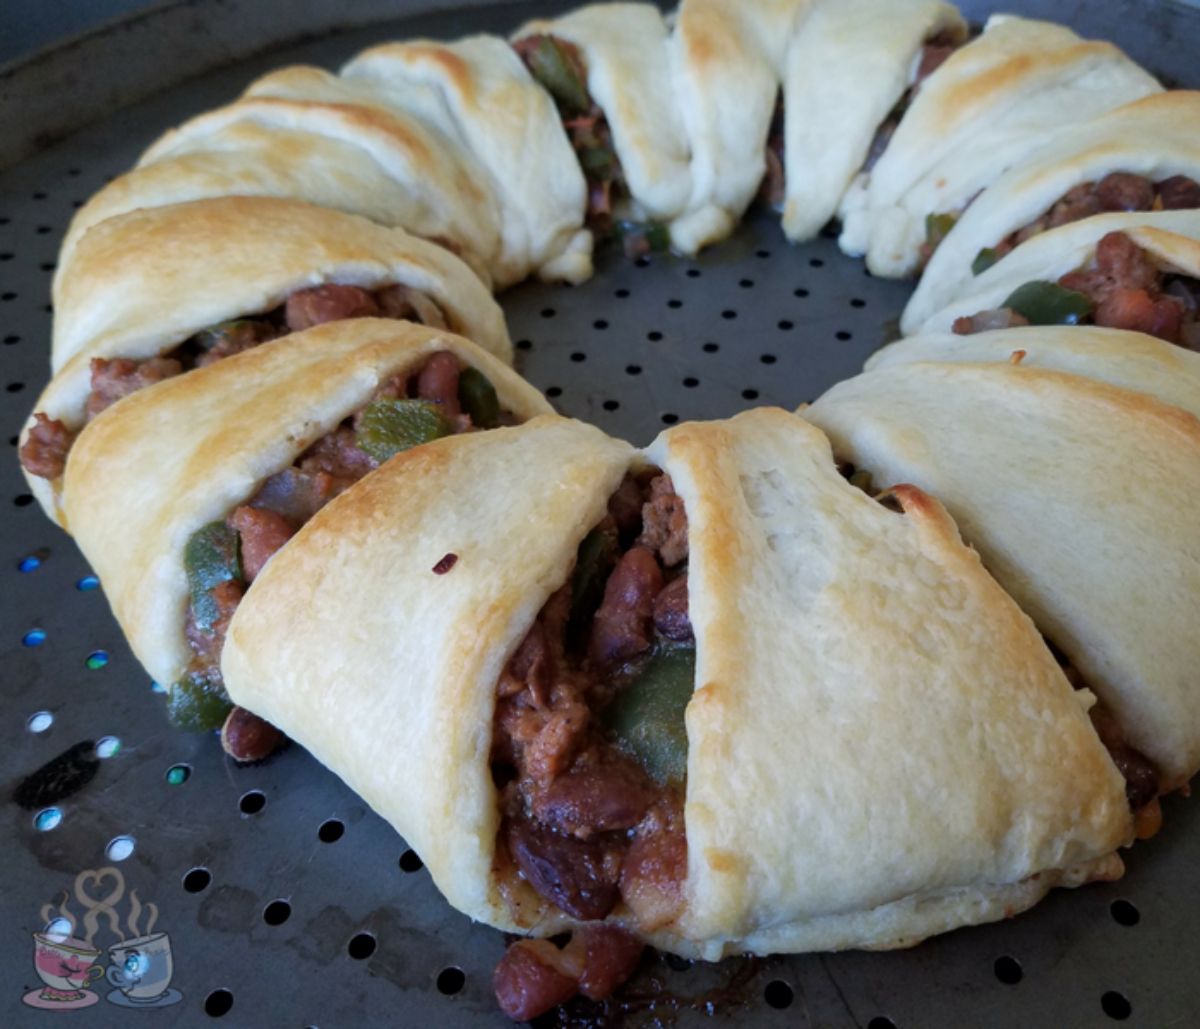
(245, 737)
(1121, 191)
(622, 626)
(262, 533)
(44, 452)
(1138, 311)
(612, 957)
(527, 984)
(576, 876)
(438, 383)
(328, 303)
(594, 797)
(1179, 193)
(671, 610)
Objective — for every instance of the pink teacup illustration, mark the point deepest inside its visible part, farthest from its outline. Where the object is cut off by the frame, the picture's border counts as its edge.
(66, 965)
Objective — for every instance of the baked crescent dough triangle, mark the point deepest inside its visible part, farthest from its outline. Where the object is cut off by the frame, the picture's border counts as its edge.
(154, 468)
(1080, 498)
(868, 699)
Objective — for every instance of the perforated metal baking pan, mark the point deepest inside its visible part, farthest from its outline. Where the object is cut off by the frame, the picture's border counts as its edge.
(287, 902)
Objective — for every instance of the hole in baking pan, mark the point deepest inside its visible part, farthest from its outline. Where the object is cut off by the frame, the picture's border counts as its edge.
(1116, 1006)
(14, 387)
(786, 325)
(768, 359)
(39, 195)
(196, 880)
(23, 499)
(600, 324)
(711, 348)
(218, 1003)
(331, 830)
(361, 946)
(6, 256)
(548, 312)
(11, 338)
(670, 418)
(691, 382)
(611, 405)
(8, 295)
(108, 746)
(633, 369)
(277, 912)
(43, 230)
(692, 273)
(39, 721)
(1008, 970)
(857, 302)
(177, 775)
(621, 294)
(654, 336)
(879, 1022)
(411, 862)
(48, 818)
(749, 394)
(674, 304)
(450, 981)
(96, 659)
(13, 440)
(675, 962)
(778, 994)
(34, 638)
(119, 848)
(762, 253)
(252, 802)
(816, 262)
(800, 292)
(87, 584)
(1124, 912)
(843, 335)
(554, 391)
(578, 357)
(523, 344)
(746, 283)
(729, 314)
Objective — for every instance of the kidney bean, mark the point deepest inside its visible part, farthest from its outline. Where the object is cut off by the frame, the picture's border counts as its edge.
(595, 797)
(671, 610)
(570, 873)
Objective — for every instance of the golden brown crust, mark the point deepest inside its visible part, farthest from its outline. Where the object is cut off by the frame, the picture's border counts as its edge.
(1078, 494)
(152, 469)
(142, 283)
(386, 671)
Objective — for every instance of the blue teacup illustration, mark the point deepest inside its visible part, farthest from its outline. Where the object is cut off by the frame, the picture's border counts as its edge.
(141, 970)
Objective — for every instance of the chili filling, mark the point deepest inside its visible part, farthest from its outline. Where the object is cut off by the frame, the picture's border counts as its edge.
(1142, 779)
(559, 67)
(589, 751)
(1123, 288)
(1117, 191)
(44, 452)
(934, 53)
(221, 559)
